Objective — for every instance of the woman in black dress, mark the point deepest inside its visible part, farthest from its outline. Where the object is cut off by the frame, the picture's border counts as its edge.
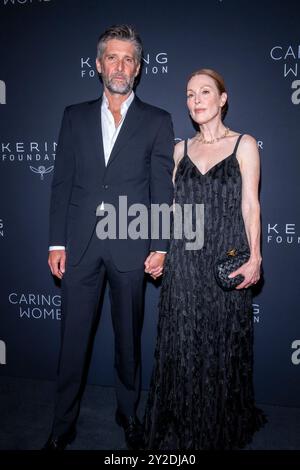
(201, 394)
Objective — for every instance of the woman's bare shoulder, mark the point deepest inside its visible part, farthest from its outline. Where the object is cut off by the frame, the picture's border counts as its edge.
(248, 140)
(178, 152)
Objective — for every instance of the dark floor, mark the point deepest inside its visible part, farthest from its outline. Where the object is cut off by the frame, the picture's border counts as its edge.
(26, 408)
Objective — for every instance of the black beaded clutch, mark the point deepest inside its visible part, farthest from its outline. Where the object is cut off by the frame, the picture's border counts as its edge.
(225, 266)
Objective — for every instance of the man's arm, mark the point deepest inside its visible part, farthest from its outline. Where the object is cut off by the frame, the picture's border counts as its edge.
(248, 157)
(161, 190)
(61, 190)
(162, 164)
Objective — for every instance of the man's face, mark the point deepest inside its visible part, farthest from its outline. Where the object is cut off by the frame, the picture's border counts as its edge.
(118, 66)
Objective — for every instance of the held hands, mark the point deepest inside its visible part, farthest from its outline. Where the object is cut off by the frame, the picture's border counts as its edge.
(57, 262)
(154, 264)
(250, 271)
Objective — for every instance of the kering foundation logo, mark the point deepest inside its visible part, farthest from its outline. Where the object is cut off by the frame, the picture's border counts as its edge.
(288, 57)
(1, 228)
(295, 357)
(36, 306)
(2, 352)
(2, 92)
(155, 63)
(40, 156)
(23, 2)
(42, 170)
(282, 234)
(87, 67)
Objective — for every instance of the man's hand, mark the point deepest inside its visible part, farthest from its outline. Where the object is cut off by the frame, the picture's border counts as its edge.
(154, 264)
(57, 262)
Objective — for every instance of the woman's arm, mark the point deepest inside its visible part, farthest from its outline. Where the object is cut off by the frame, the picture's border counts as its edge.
(249, 161)
(178, 155)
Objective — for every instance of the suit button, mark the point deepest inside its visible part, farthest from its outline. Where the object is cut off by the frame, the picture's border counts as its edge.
(105, 186)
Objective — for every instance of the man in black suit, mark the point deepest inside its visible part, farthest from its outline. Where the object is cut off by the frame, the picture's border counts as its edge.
(114, 146)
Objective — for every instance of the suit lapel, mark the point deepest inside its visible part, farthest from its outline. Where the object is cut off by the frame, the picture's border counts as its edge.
(95, 131)
(129, 127)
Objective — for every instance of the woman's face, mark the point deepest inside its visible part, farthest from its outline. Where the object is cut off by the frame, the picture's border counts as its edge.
(204, 99)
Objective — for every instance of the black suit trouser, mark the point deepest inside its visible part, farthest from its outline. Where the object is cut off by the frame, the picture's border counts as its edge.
(82, 286)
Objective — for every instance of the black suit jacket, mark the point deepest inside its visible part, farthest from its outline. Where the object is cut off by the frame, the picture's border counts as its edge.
(140, 167)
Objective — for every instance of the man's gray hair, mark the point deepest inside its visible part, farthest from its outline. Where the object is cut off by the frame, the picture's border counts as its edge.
(121, 32)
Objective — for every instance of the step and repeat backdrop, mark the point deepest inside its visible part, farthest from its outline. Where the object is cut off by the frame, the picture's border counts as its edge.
(47, 61)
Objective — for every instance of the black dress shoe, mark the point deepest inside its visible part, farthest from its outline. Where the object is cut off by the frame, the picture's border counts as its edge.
(133, 430)
(55, 443)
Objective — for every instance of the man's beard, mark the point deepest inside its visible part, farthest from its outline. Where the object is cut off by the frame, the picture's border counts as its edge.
(121, 88)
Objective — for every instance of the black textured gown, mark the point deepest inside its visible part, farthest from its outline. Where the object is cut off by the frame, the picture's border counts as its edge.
(201, 393)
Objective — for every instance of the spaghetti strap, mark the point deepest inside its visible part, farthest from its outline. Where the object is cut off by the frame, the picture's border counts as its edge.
(185, 148)
(237, 143)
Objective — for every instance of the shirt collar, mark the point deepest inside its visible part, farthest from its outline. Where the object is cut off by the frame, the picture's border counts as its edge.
(125, 105)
